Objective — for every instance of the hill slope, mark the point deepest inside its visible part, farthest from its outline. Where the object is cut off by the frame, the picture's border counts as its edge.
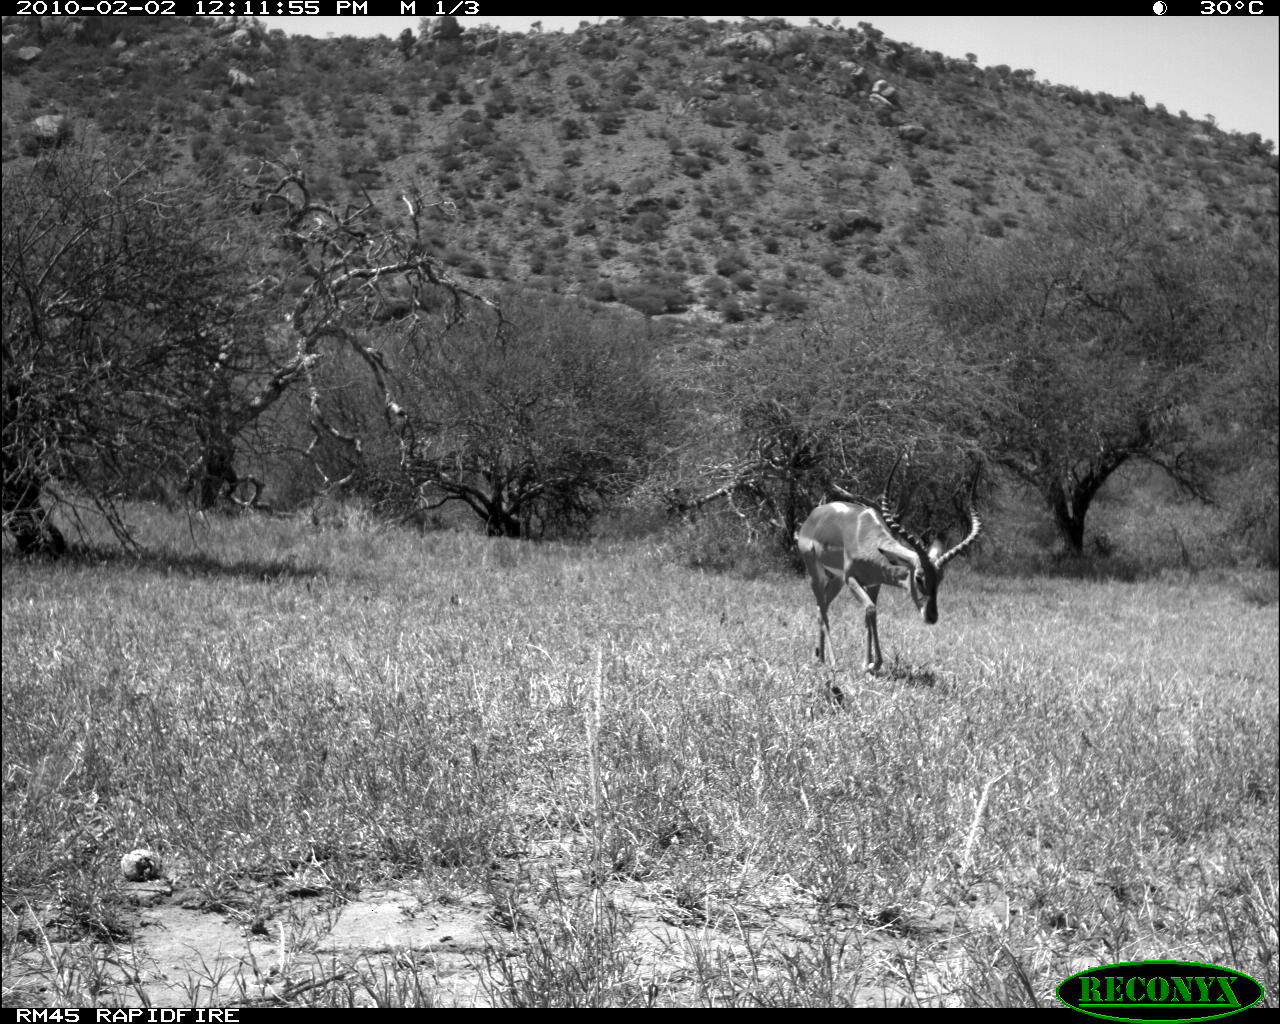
(737, 170)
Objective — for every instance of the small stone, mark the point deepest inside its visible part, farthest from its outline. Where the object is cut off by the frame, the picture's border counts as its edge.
(141, 866)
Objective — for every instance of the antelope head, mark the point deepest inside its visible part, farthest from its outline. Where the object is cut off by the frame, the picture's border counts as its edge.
(926, 568)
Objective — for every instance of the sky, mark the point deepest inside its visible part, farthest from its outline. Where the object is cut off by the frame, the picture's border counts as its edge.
(1226, 67)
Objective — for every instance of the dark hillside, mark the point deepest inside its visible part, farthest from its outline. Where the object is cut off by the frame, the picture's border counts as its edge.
(734, 170)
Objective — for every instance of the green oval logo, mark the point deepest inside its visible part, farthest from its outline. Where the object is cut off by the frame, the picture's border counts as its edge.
(1164, 990)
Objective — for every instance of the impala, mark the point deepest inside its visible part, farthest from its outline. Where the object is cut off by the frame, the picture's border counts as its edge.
(863, 546)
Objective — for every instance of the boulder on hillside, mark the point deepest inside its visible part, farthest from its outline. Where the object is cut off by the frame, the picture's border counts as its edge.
(852, 219)
(883, 92)
(763, 42)
(853, 73)
(51, 129)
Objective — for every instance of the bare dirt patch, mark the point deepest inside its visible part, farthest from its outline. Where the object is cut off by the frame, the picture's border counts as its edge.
(665, 943)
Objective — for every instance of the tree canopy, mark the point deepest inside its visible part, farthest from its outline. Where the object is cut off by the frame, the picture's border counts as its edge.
(532, 419)
(1103, 325)
(116, 306)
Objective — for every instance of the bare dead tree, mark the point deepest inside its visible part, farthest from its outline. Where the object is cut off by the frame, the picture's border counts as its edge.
(359, 274)
(148, 329)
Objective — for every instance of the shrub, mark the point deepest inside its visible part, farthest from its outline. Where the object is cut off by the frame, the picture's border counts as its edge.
(610, 121)
(785, 302)
(705, 147)
(715, 288)
(692, 166)
(799, 145)
(655, 297)
(571, 128)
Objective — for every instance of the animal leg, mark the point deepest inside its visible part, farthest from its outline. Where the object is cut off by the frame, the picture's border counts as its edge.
(830, 588)
(825, 588)
(866, 597)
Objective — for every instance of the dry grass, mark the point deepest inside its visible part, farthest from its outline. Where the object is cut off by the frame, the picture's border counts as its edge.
(627, 770)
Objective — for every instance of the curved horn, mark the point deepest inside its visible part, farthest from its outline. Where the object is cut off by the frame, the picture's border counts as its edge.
(895, 526)
(975, 528)
(890, 518)
(890, 515)
(888, 481)
(975, 524)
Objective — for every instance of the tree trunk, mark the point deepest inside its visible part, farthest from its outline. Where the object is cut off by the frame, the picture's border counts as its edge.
(1069, 519)
(1070, 498)
(502, 524)
(217, 474)
(28, 520)
(499, 520)
(214, 477)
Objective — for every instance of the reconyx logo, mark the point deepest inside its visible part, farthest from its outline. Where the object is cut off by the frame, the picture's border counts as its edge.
(1164, 990)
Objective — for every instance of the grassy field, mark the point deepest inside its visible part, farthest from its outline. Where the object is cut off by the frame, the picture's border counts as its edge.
(546, 775)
